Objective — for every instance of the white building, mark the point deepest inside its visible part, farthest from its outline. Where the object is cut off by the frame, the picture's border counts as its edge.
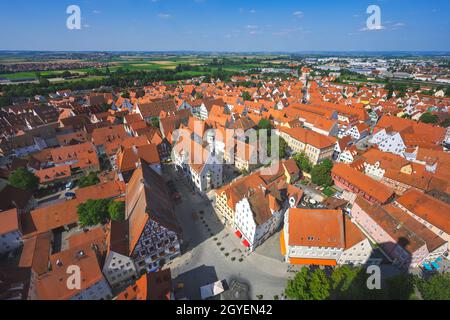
(119, 268)
(348, 155)
(358, 132)
(323, 237)
(200, 165)
(258, 216)
(389, 142)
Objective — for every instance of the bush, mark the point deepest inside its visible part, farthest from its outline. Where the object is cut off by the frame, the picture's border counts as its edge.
(116, 210)
(437, 287)
(428, 117)
(90, 180)
(321, 174)
(24, 179)
(93, 212)
(303, 162)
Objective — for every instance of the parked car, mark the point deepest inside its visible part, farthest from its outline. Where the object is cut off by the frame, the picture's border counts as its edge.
(70, 185)
(70, 195)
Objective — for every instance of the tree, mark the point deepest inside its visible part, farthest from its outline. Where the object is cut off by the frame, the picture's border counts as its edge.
(400, 287)
(297, 288)
(66, 74)
(428, 117)
(155, 122)
(341, 280)
(93, 212)
(445, 123)
(246, 96)
(308, 285)
(265, 124)
(90, 180)
(283, 148)
(24, 179)
(319, 286)
(437, 287)
(116, 210)
(303, 162)
(321, 174)
(43, 82)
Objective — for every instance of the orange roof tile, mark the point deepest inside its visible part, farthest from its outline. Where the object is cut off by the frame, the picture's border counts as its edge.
(428, 208)
(375, 189)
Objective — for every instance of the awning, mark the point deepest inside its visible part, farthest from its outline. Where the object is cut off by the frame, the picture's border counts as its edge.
(238, 234)
(246, 243)
(427, 266)
(282, 243)
(435, 265)
(315, 262)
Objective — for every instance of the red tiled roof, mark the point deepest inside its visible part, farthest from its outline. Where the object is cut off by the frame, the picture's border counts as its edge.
(371, 187)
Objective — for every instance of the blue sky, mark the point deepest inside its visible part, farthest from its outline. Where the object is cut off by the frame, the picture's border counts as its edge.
(225, 25)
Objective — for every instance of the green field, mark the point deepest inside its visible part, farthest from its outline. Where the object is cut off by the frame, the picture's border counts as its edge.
(150, 63)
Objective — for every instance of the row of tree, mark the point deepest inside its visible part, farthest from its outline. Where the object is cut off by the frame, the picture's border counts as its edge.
(95, 212)
(351, 283)
(320, 173)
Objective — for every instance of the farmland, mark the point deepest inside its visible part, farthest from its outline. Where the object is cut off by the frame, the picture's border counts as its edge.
(145, 63)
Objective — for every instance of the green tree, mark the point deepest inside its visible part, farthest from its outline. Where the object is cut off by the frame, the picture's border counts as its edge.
(24, 179)
(400, 287)
(297, 288)
(428, 117)
(90, 180)
(66, 74)
(437, 287)
(303, 162)
(321, 174)
(283, 147)
(43, 82)
(265, 124)
(246, 96)
(342, 279)
(319, 286)
(445, 123)
(155, 122)
(93, 212)
(116, 210)
(308, 285)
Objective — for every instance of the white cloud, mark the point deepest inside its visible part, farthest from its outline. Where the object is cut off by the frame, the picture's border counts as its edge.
(164, 15)
(298, 14)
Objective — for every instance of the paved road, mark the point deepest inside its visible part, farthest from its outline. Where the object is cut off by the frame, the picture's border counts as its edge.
(210, 252)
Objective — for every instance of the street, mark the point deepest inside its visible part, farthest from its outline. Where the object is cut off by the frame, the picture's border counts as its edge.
(211, 252)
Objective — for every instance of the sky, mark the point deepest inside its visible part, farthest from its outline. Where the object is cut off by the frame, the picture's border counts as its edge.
(225, 25)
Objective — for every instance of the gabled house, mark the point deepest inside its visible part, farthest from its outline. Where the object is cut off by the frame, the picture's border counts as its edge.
(153, 230)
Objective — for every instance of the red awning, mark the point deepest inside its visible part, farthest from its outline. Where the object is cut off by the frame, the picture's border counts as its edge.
(246, 244)
(238, 234)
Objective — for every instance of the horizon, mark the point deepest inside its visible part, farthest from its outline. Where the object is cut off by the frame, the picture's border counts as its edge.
(250, 27)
